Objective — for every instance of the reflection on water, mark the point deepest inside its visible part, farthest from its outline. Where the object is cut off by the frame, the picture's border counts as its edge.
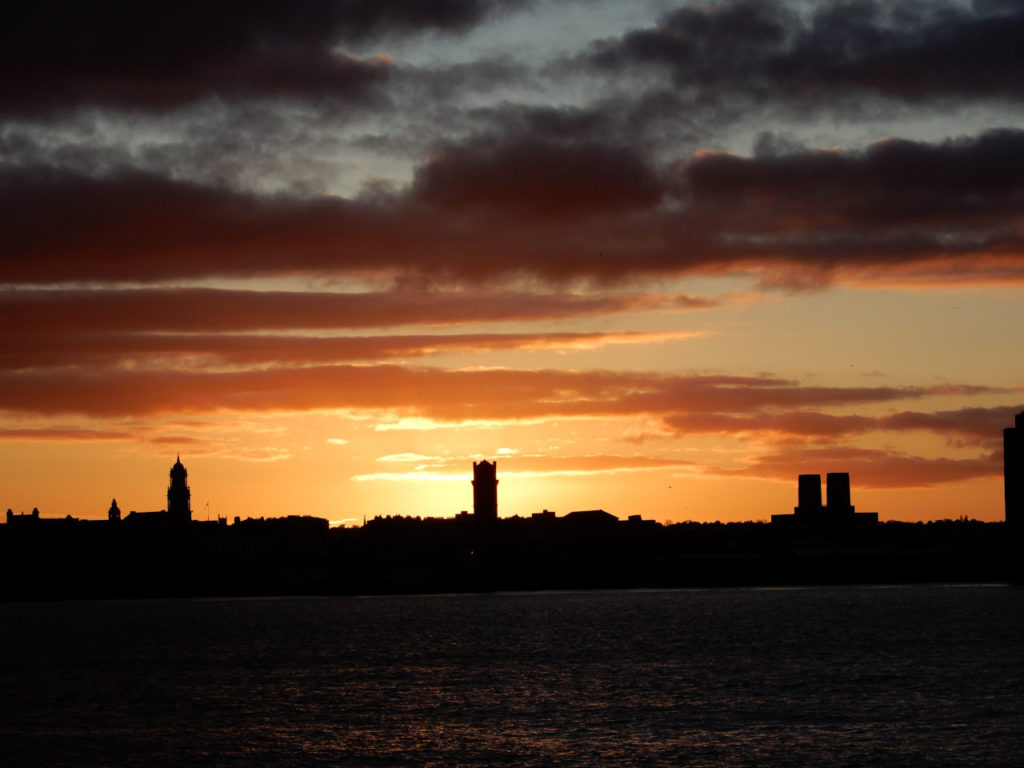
(844, 676)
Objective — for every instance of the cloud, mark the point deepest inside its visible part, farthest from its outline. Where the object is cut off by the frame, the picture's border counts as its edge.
(260, 455)
(203, 327)
(868, 468)
(967, 425)
(197, 351)
(790, 423)
(167, 54)
(177, 440)
(553, 212)
(894, 183)
(546, 123)
(213, 310)
(130, 224)
(529, 466)
(769, 51)
(977, 425)
(538, 178)
(63, 434)
(898, 202)
(442, 395)
(415, 458)
(534, 466)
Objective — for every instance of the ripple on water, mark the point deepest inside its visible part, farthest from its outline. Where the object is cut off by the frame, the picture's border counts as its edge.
(922, 675)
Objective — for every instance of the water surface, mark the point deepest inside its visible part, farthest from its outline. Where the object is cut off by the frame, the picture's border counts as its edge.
(920, 675)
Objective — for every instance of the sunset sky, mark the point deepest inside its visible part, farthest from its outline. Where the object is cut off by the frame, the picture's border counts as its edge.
(658, 258)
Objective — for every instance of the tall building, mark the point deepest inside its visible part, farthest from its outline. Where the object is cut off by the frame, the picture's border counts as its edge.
(837, 496)
(485, 490)
(1013, 472)
(837, 513)
(808, 507)
(179, 509)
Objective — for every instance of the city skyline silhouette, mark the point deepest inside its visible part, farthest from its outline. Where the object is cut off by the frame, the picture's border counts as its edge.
(809, 510)
(564, 383)
(680, 252)
(168, 553)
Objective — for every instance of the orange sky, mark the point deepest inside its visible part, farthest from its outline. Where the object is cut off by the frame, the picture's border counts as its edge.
(658, 261)
(580, 416)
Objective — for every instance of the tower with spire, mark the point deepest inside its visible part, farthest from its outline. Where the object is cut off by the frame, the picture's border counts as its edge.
(179, 508)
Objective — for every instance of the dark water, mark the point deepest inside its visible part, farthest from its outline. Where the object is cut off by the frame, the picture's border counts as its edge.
(923, 675)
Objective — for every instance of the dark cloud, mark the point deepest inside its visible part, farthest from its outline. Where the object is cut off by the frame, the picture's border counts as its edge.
(62, 434)
(164, 54)
(967, 425)
(211, 310)
(453, 396)
(216, 327)
(707, 40)
(970, 185)
(538, 179)
(769, 52)
(437, 88)
(897, 202)
(132, 225)
(551, 209)
(593, 123)
(210, 351)
(869, 468)
(791, 423)
(915, 176)
(970, 424)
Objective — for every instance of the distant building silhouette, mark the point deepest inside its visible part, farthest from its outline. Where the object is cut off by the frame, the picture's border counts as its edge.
(837, 509)
(808, 508)
(22, 517)
(179, 509)
(837, 496)
(591, 517)
(1013, 472)
(114, 513)
(485, 490)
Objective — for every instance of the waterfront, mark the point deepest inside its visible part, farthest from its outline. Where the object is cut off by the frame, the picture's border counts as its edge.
(903, 675)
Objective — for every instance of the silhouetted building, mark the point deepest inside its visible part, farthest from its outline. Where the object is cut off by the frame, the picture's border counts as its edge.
(591, 517)
(808, 498)
(33, 521)
(485, 490)
(837, 499)
(21, 518)
(179, 509)
(114, 513)
(157, 517)
(290, 524)
(1013, 472)
(837, 509)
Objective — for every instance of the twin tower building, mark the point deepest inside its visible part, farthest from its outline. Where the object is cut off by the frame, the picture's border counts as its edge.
(837, 509)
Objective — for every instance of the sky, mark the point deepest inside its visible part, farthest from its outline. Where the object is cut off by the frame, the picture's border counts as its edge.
(658, 258)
